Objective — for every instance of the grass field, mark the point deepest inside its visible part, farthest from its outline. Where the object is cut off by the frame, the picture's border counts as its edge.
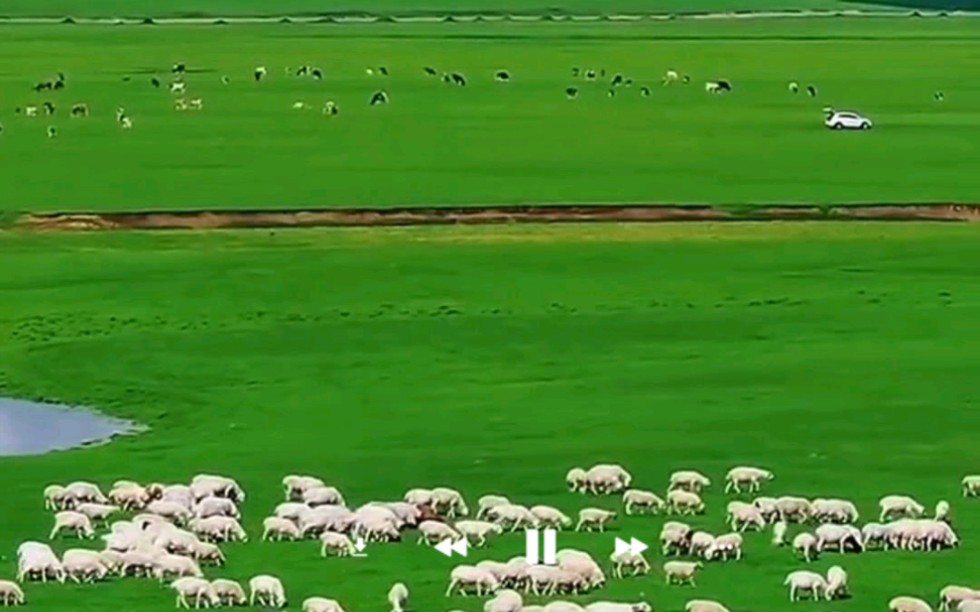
(841, 356)
(490, 143)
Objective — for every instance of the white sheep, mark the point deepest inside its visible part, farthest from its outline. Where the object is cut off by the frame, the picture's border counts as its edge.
(971, 485)
(462, 578)
(779, 533)
(837, 583)
(171, 510)
(398, 597)
(629, 560)
(513, 516)
(793, 509)
(321, 604)
(406, 513)
(314, 521)
(899, 505)
(704, 605)
(767, 506)
(806, 544)
(684, 502)
(139, 562)
(699, 542)
(505, 600)
(197, 588)
(216, 506)
(970, 605)
(218, 529)
(838, 535)
(644, 500)
(267, 590)
(607, 478)
(551, 517)
(295, 486)
(477, 531)
(904, 603)
(951, 596)
(594, 518)
(178, 566)
(322, 496)
(834, 511)
(56, 497)
(98, 513)
(681, 572)
(547, 580)
(577, 480)
(419, 497)
(41, 565)
(742, 515)
(583, 565)
(498, 569)
(206, 485)
(112, 560)
(725, 545)
(449, 501)
(11, 594)
(82, 491)
(942, 512)
(688, 480)
(176, 540)
(745, 475)
(433, 532)
(488, 502)
(806, 582)
(73, 521)
(229, 592)
(83, 565)
(178, 494)
(277, 528)
(336, 543)
(875, 534)
(131, 496)
(675, 537)
(291, 510)
(206, 552)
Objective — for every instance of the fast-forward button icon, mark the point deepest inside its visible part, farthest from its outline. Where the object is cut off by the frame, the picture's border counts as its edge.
(633, 547)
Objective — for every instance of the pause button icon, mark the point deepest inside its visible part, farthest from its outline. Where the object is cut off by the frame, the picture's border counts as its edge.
(532, 550)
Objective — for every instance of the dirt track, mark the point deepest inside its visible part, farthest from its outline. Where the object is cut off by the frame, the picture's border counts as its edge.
(488, 215)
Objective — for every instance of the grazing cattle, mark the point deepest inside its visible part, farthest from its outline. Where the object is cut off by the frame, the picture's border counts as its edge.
(571, 93)
(590, 75)
(430, 71)
(670, 76)
(329, 108)
(48, 108)
(379, 97)
(458, 79)
(79, 110)
(383, 70)
(259, 73)
(52, 131)
(617, 80)
(155, 82)
(645, 91)
(225, 80)
(446, 79)
(302, 71)
(178, 87)
(938, 96)
(316, 74)
(502, 75)
(811, 91)
(179, 68)
(794, 87)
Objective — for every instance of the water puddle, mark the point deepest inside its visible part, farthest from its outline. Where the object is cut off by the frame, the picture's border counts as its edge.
(31, 428)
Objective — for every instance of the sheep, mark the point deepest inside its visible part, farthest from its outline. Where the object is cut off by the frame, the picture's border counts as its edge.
(512, 515)
(155, 82)
(811, 91)
(378, 97)
(779, 533)
(178, 87)
(448, 501)
(607, 478)
(56, 497)
(900, 505)
(839, 535)
(406, 513)
(952, 596)
(571, 93)
(502, 76)
(577, 480)
(313, 521)
(205, 485)
(337, 543)
(430, 71)
(904, 603)
(741, 475)
(321, 604)
(505, 600)
(11, 594)
(634, 561)
(218, 529)
(875, 534)
(30, 111)
(277, 528)
(322, 496)
(52, 131)
(267, 590)
(177, 565)
(83, 491)
(942, 512)
(128, 497)
(551, 517)
(684, 502)
(398, 597)
(704, 605)
(98, 513)
(583, 565)
(971, 485)
(229, 592)
(589, 518)
(681, 572)
(970, 605)
(644, 500)
(207, 552)
(547, 580)
(477, 531)
(419, 497)
(794, 87)
(699, 542)
(808, 582)
(675, 536)
(179, 494)
(291, 510)
(195, 104)
(488, 502)
(743, 515)
(216, 506)
(259, 73)
(514, 572)
(458, 79)
(84, 565)
(74, 521)
(806, 544)
(461, 579)
(767, 506)
(688, 480)
(793, 509)
(112, 560)
(196, 587)
(431, 532)
(729, 543)
(173, 511)
(138, 562)
(837, 583)
(375, 523)
(607, 606)
(295, 486)
(670, 76)
(36, 559)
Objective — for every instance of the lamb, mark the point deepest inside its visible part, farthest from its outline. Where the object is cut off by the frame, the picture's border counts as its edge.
(321, 604)
(779, 533)
(589, 518)
(512, 515)
(84, 565)
(488, 502)
(216, 506)
(449, 501)
(729, 543)
(808, 582)
(461, 579)
(681, 572)
(743, 515)
(684, 502)
(478, 530)
(322, 496)
(675, 536)
(295, 486)
(170, 510)
(56, 497)
(337, 543)
(277, 528)
(197, 588)
(942, 512)
(551, 517)
(908, 604)
(837, 583)
(505, 601)
(177, 565)
(688, 480)
(806, 544)
(607, 478)
(267, 590)
(398, 597)
(742, 475)
(900, 505)
(577, 480)
(74, 521)
(229, 592)
(838, 535)
(644, 500)
(432, 532)
(971, 485)
(633, 561)
(11, 594)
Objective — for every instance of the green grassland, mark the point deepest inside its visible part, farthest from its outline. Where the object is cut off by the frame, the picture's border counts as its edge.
(490, 143)
(840, 356)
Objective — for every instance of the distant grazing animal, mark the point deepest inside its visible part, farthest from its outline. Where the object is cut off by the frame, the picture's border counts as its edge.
(178, 87)
(590, 75)
(120, 113)
(717, 86)
(1, 128)
(127, 78)
(576, 72)
(155, 82)
(369, 71)
(196, 104)
(430, 71)
(329, 108)
(571, 92)
(670, 76)
(617, 80)
(502, 75)
(811, 91)
(303, 71)
(61, 77)
(458, 79)
(316, 74)
(225, 80)
(179, 68)
(628, 82)
(299, 105)
(794, 87)
(938, 96)
(602, 72)
(52, 131)
(48, 108)
(446, 78)
(686, 80)
(58, 85)
(79, 110)
(383, 70)
(179, 104)
(30, 111)
(48, 85)
(612, 93)
(645, 91)
(126, 123)
(259, 73)
(379, 97)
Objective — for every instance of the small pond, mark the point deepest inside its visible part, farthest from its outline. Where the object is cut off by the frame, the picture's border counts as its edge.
(31, 428)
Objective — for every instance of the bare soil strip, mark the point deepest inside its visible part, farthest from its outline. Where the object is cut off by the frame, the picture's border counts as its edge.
(486, 215)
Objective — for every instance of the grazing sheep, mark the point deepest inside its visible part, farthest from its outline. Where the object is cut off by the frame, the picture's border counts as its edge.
(806, 582)
(811, 91)
(684, 502)
(267, 590)
(398, 597)
(725, 545)
(155, 82)
(768, 507)
(477, 531)
(838, 535)
(56, 497)
(488, 502)
(316, 74)
(462, 578)
(699, 542)
(745, 475)
(179, 68)
(336, 543)
(218, 529)
(83, 491)
(128, 496)
(48, 108)
(419, 497)
(11, 594)
(942, 512)
(681, 572)
(502, 76)
(173, 511)
(322, 496)
(634, 561)
(206, 485)
(793, 509)
(899, 505)
(229, 592)
(551, 517)
(742, 515)
(608, 606)
(779, 533)
(321, 604)
(837, 583)
(506, 600)
(38, 562)
(617, 80)
(577, 479)
(589, 518)
(196, 587)
(904, 603)
(73, 521)
(644, 500)
(215, 506)
(670, 76)
(458, 79)
(952, 596)
(84, 565)
(276, 528)
(807, 545)
(206, 552)
(583, 565)
(126, 123)
(195, 104)
(704, 605)
(794, 87)
(225, 80)
(179, 566)
(432, 532)
(178, 88)
(513, 516)
(834, 511)
(675, 537)
(259, 73)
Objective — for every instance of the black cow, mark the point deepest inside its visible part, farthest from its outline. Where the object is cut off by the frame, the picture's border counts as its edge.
(458, 79)
(811, 91)
(430, 71)
(724, 86)
(48, 108)
(571, 92)
(179, 68)
(644, 91)
(383, 70)
(617, 80)
(155, 82)
(379, 97)
(502, 76)
(58, 85)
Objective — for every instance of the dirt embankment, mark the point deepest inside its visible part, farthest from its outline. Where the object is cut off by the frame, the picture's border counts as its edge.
(489, 215)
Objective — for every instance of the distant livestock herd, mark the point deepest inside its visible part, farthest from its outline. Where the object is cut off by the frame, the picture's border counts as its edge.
(177, 529)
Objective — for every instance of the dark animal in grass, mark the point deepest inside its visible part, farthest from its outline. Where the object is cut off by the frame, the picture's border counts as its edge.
(617, 80)
(590, 75)
(79, 110)
(628, 82)
(52, 131)
(612, 93)
(645, 91)
(179, 68)
(58, 85)
(938, 96)
(571, 92)
(724, 86)
(316, 74)
(811, 91)
(430, 71)
(48, 108)
(44, 85)
(61, 77)
(379, 97)
(225, 80)
(602, 72)
(458, 79)
(383, 70)
(446, 78)
(127, 78)
(576, 72)
(259, 73)
(155, 82)
(502, 76)
(1, 128)
(687, 79)
(303, 71)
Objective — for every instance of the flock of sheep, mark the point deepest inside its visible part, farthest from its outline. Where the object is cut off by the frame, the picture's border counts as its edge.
(177, 529)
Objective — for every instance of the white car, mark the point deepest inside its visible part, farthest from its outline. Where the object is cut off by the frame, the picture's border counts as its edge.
(847, 121)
